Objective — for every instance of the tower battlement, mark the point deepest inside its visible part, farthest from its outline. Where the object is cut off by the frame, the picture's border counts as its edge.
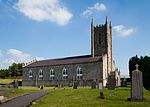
(100, 25)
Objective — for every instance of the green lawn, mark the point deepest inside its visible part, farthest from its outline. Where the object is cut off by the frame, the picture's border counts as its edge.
(8, 80)
(21, 90)
(86, 97)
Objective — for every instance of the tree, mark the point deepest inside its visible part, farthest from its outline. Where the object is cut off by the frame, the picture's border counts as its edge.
(13, 70)
(16, 69)
(146, 72)
(134, 60)
(4, 73)
(144, 66)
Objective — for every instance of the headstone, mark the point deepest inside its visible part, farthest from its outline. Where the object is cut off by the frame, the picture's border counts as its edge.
(60, 86)
(19, 83)
(137, 85)
(93, 85)
(100, 86)
(75, 85)
(70, 84)
(111, 83)
(41, 87)
(124, 83)
(15, 84)
(1, 98)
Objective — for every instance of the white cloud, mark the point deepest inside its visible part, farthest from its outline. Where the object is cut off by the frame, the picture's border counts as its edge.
(40, 10)
(95, 8)
(16, 56)
(123, 31)
(8, 61)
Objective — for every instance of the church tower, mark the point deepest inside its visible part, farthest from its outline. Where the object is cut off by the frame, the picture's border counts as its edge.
(101, 42)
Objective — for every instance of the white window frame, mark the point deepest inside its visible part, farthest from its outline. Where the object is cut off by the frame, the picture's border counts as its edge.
(30, 74)
(52, 74)
(79, 73)
(64, 74)
(40, 74)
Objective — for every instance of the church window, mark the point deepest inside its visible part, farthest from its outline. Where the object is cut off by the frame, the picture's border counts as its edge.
(79, 73)
(30, 74)
(64, 74)
(40, 74)
(52, 74)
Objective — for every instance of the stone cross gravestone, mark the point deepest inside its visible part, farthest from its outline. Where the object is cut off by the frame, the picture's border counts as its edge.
(137, 85)
(93, 85)
(111, 83)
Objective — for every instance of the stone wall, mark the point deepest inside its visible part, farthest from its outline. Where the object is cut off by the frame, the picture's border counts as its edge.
(105, 73)
(91, 71)
(100, 40)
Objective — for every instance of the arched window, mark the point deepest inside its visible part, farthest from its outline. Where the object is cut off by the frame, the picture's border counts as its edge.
(64, 74)
(40, 74)
(52, 74)
(30, 74)
(79, 73)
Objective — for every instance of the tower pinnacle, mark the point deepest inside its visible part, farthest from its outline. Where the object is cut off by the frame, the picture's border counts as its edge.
(92, 23)
(106, 19)
(92, 37)
(110, 23)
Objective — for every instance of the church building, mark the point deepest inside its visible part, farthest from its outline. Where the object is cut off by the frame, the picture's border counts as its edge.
(82, 69)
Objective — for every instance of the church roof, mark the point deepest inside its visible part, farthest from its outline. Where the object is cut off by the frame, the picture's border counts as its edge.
(64, 61)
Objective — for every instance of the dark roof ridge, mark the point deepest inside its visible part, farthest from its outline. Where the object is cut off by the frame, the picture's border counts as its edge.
(67, 60)
(72, 57)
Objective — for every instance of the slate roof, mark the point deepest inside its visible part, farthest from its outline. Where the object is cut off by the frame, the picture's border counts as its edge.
(64, 61)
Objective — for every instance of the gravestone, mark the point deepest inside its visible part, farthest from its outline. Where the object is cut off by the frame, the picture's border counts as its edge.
(124, 83)
(111, 83)
(70, 84)
(93, 85)
(60, 85)
(15, 83)
(137, 85)
(100, 86)
(41, 87)
(1, 98)
(75, 85)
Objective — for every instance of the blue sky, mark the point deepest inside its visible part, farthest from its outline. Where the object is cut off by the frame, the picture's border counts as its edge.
(43, 29)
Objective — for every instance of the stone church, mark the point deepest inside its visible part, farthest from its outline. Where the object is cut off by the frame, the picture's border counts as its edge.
(81, 69)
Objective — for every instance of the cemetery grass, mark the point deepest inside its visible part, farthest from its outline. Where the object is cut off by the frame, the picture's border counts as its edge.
(86, 97)
(8, 80)
(20, 91)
